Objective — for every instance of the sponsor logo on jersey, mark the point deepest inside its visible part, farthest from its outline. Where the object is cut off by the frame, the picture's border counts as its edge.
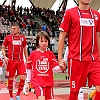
(86, 22)
(42, 64)
(16, 42)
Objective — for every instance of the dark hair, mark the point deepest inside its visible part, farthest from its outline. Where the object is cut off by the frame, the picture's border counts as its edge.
(15, 24)
(42, 34)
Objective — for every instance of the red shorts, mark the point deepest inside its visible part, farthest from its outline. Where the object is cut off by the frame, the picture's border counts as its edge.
(80, 71)
(14, 66)
(44, 91)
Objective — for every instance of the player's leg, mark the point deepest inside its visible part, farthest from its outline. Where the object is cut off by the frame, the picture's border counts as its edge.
(77, 72)
(11, 73)
(40, 93)
(10, 87)
(49, 93)
(22, 73)
(21, 85)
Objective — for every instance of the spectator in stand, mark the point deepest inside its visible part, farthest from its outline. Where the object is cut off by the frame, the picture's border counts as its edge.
(23, 26)
(25, 17)
(44, 27)
(53, 44)
(8, 33)
(20, 11)
(29, 28)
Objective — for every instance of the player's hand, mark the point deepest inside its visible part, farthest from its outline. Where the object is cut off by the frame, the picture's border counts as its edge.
(6, 60)
(62, 64)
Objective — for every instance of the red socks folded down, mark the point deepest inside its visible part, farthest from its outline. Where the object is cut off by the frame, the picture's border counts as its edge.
(20, 88)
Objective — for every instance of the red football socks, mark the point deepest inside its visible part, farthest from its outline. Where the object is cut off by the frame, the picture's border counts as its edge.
(21, 85)
(10, 87)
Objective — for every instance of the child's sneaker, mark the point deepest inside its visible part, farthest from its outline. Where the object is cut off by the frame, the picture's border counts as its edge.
(18, 98)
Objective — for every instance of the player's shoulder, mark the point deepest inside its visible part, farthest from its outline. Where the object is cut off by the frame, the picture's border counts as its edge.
(8, 36)
(71, 10)
(93, 10)
(50, 52)
(22, 36)
(96, 14)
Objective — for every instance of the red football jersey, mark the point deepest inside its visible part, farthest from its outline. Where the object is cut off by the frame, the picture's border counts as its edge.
(42, 64)
(15, 45)
(81, 26)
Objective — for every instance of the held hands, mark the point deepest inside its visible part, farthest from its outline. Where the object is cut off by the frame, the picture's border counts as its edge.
(62, 64)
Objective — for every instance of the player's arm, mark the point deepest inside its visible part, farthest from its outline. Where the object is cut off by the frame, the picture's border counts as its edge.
(61, 41)
(4, 54)
(98, 42)
(26, 53)
(29, 68)
(4, 51)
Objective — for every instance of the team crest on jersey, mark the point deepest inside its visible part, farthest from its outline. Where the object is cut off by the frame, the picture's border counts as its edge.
(96, 17)
(42, 64)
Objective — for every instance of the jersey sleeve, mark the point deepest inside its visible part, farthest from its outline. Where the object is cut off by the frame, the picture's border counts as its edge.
(98, 25)
(54, 61)
(24, 43)
(66, 22)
